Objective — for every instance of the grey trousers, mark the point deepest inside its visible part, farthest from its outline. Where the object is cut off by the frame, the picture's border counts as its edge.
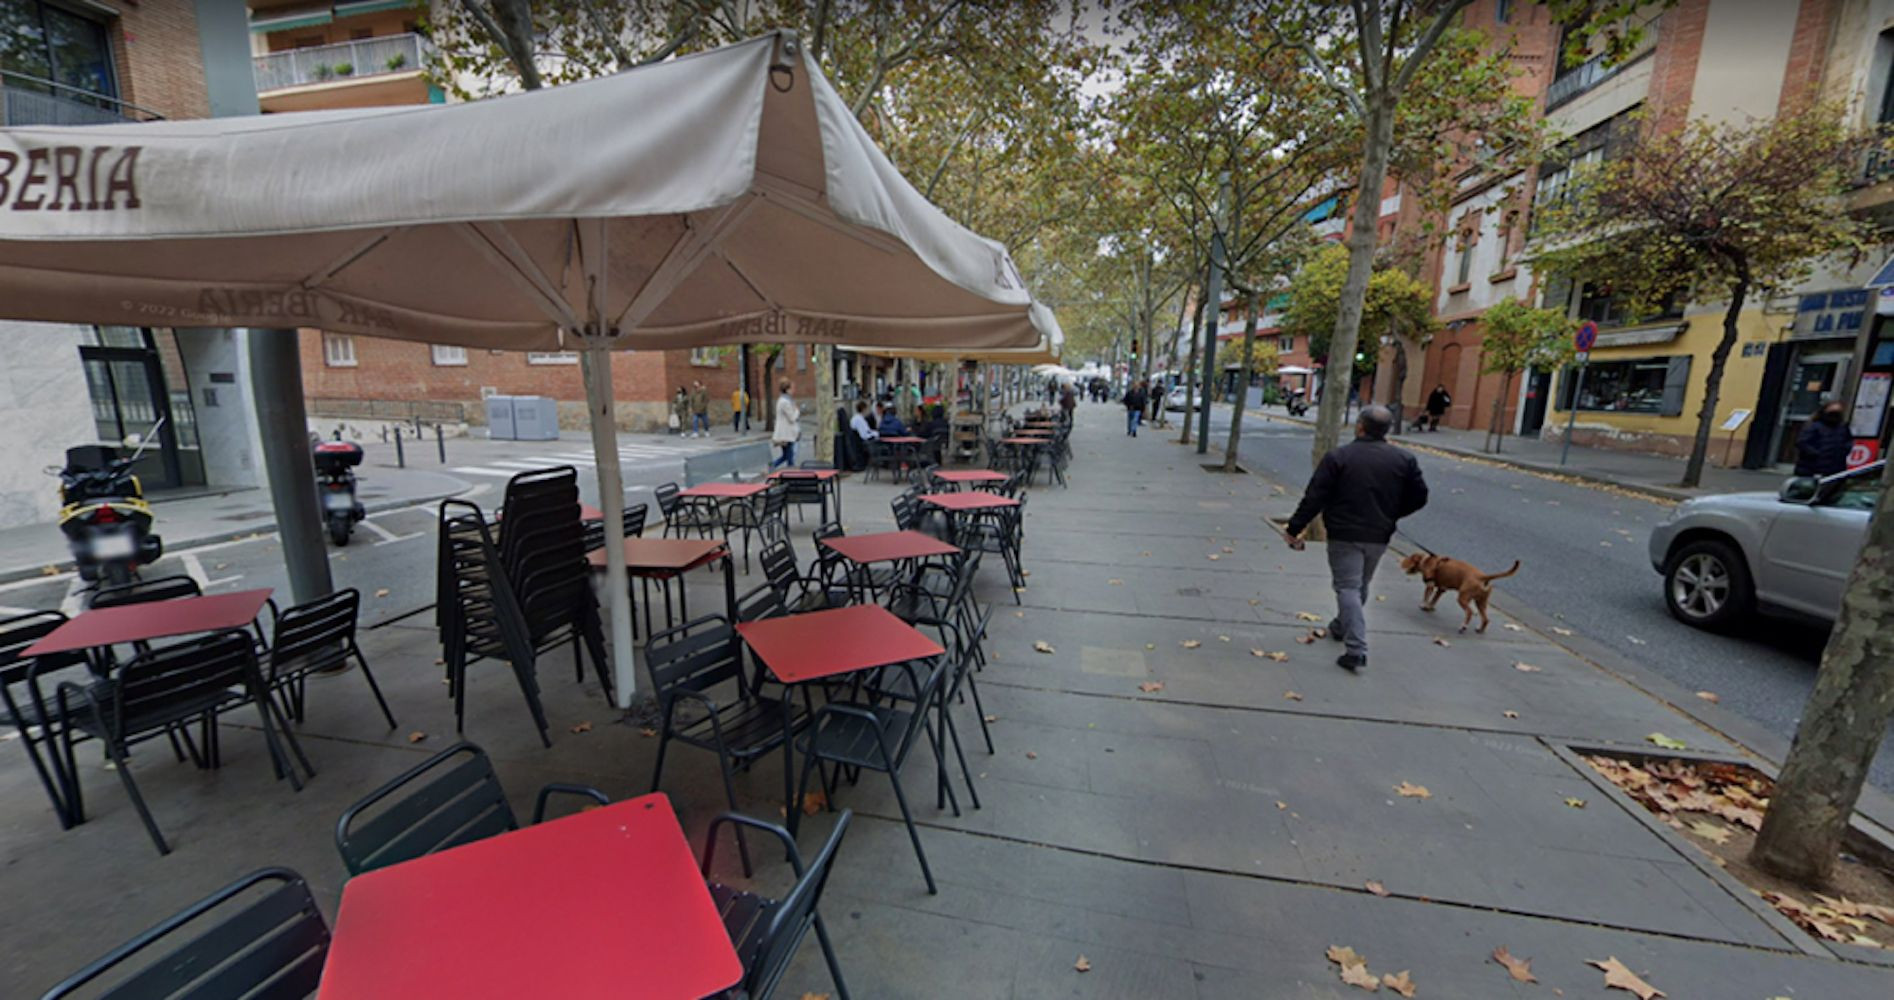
(1350, 567)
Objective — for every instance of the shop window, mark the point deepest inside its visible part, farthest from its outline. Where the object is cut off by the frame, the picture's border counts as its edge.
(552, 357)
(448, 354)
(707, 357)
(338, 350)
(1635, 385)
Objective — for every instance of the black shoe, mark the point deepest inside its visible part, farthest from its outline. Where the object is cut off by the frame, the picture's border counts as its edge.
(1335, 630)
(1354, 663)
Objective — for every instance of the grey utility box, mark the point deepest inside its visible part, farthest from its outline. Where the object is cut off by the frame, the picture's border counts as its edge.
(500, 422)
(535, 418)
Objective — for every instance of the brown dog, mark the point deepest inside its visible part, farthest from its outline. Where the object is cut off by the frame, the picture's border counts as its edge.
(1442, 574)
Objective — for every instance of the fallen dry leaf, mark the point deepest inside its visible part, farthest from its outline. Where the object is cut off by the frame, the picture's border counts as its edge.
(383, 592)
(814, 802)
(815, 996)
(1519, 968)
(1150, 645)
(1667, 742)
(1082, 965)
(1710, 696)
(582, 727)
(1556, 630)
(1145, 554)
(1191, 643)
(1619, 977)
(416, 737)
(1375, 887)
(1115, 582)
(1307, 616)
(1514, 627)
(1710, 832)
(1019, 614)
(1510, 714)
(1399, 982)
(1280, 804)
(992, 718)
(1226, 548)
(1439, 641)
(1254, 603)
(1031, 755)
(1575, 803)
(648, 733)
(1412, 791)
(1214, 557)
(1527, 668)
(1635, 641)
(1043, 646)
(1380, 597)
(1292, 695)
(1358, 975)
(1305, 639)
(1149, 687)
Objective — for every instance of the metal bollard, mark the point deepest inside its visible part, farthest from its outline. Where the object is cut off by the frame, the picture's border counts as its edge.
(400, 459)
(440, 443)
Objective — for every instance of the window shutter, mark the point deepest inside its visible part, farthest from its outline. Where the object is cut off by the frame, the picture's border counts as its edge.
(1676, 380)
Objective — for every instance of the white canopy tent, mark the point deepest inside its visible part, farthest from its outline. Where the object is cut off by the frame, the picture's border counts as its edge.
(726, 197)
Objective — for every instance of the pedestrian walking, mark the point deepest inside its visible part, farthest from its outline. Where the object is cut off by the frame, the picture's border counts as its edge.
(1359, 490)
(680, 411)
(739, 411)
(788, 417)
(700, 410)
(1134, 409)
(1068, 401)
(1822, 447)
(1437, 403)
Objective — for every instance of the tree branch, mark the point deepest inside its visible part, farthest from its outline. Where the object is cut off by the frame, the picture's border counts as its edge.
(1425, 44)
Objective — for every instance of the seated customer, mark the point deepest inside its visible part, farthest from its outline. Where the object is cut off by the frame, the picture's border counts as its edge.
(891, 425)
(863, 427)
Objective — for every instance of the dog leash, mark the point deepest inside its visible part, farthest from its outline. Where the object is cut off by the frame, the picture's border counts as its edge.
(1415, 542)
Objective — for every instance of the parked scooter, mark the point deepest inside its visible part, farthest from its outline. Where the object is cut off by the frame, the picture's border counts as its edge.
(335, 486)
(1297, 404)
(104, 516)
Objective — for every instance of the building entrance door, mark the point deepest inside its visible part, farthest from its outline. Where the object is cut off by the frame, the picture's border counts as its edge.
(1814, 379)
(129, 397)
(1532, 412)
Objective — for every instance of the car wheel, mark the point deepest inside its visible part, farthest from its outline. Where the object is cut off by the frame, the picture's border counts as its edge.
(1706, 584)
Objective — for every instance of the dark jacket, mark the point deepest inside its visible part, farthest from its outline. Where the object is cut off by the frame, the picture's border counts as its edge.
(1438, 402)
(1136, 399)
(1821, 450)
(1361, 489)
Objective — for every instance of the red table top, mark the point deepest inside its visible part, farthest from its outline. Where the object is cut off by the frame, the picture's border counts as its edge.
(663, 555)
(157, 620)
(903, 439)
(1024, 440)
(726, 491)
(971, 476)
(888, 546)
(968, 501)
(822, 474)
(1034, 432)
(818, 644)
(604, 903)
(587, 512)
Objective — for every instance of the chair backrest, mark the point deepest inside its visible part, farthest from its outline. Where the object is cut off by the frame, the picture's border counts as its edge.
(316, 633)
(666, 493)
(776, 501)
(452, 798)
(164, 588)
(594, 535)
(21, 631)
(923, 700)
(634, 519)
(177, 681)
(789, 923)
(762, 601)
(695, 656)
(779, 566)
(260, 937)
(906, 516)
(800, 487)
(812, 464)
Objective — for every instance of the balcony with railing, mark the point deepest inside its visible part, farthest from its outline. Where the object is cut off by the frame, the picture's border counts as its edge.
(32, 100)
(1567, 86)
(363, 58)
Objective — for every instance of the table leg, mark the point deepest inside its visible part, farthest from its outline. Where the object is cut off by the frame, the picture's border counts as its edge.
(729, 587)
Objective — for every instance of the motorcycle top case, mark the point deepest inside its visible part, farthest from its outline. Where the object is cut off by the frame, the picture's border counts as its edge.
(89, 457)
(334, 456)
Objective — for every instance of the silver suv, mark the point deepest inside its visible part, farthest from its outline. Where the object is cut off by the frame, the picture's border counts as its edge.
(1790, 552)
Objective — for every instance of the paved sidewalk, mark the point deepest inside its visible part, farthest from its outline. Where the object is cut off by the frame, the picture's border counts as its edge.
(1655, 474)
(1157, 803)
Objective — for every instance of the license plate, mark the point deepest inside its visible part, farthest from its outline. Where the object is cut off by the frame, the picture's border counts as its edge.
(113, 547)
(338, 501)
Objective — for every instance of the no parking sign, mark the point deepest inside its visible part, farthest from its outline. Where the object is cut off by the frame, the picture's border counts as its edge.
(1865, 451)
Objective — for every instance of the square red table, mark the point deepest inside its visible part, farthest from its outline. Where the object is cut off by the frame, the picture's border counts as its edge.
(818, 644)
(604, 903)
(903, 439)
(156, 620)
(970, 476)
(663, 556)
(725, 491)
(1025, 440)
(888, 546)
(823, 475)
(968, 501)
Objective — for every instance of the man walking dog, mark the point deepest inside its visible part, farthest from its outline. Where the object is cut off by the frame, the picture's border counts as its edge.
(1360, 490)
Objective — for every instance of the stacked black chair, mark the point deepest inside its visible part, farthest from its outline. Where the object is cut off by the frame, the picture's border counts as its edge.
(169, 687)
(767, 932)
(313, 637)
(447, 800)
(23, 681)
(260, 936)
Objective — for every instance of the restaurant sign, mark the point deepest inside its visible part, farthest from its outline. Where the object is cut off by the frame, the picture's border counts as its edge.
(1830, 314)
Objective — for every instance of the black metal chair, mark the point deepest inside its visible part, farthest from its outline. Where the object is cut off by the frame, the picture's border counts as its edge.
(314, 637)
(452, 798)
(804, 490)
(688, 664)
(760, 517)
(685, 516)
(27, 708)
(170, 687)
(768, 932)
(874, 737)
(261, 937)
(163, 588)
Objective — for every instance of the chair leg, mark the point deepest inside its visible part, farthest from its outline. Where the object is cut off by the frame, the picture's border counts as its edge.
(914, 834)
(828, 955)
(374, 687)
(730, 795)
(802, 785)
(280, 734)
(980, 711)
(122, 764)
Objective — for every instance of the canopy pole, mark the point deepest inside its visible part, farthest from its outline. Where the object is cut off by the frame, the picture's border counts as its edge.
(597, 362)
(276, 383)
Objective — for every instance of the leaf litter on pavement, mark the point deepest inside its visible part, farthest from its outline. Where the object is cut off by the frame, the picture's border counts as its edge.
(1519, 968)
(1353, 968)
(1620, 978)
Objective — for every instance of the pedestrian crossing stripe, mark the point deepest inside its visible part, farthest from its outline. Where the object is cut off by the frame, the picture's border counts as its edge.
(478, 470)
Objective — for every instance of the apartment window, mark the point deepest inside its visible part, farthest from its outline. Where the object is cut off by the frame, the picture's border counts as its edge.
(552, 357)
(1469, 238)
(55, 45)
(1507, 224)
(1635, 385)
(1600, 303)
(802, 357)
(448, 354)
(1287, 343)
(1502, 11)
(707, 357)
(338, 350)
